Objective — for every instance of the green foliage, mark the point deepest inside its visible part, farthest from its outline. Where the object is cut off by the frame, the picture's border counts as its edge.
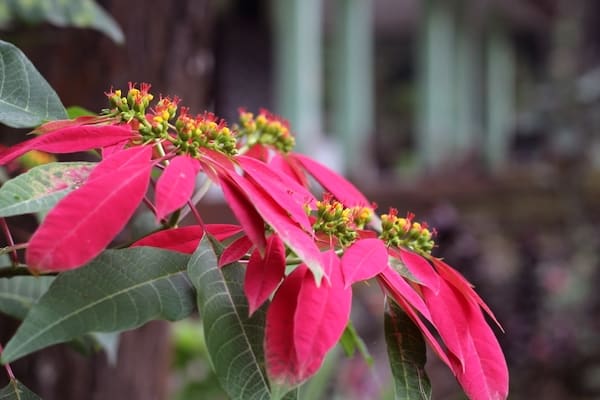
(40, 188)
(407, 355)
(26, 99)
(119, 290)
(191, 366)
(19, 293)
(233, 339)
(63, 13)
(77, 111)
(188, 342)
(15, 390)
(351, 341)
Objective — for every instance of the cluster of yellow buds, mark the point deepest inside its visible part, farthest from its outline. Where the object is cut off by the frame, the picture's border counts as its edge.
(203, 130)
(403, 232)
(157, 124)
(333, 219)
(266, 129)
(191, 132)
(131, 106)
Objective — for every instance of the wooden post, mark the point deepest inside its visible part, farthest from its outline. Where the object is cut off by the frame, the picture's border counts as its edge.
(353, 80)
(81, 65)
(298, 60)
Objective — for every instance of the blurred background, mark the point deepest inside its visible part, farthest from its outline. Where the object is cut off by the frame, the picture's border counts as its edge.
(481, 116)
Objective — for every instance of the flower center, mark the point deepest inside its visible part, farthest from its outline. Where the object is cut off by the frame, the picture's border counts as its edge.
(403, 232)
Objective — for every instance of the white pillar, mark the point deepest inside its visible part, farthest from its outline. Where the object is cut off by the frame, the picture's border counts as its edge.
(500, 97)
(353, 81)
(436, 111)
(297, 38)
(469, 123)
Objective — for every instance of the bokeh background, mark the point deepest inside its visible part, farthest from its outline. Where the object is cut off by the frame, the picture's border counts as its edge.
(481, 116)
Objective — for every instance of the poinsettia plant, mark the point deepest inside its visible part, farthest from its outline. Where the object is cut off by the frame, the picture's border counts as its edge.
(274, 290)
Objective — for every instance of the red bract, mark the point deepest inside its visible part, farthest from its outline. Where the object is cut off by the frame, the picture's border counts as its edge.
(339, 187)
(479, 367)
(276, 215)
(71, 139)
(419, 268)
(304, 321)
(83, 223)
(321, 315)
(236, 250)
(246, 214)
(281, 188)
(51, 126)
(363, 260)
(263, 274)
(459, 282)
(280, 353)
(186, 239)
(391, 283)
(296, 166)
(176, 185)
(183, 240)
(398, 288)
(290, 167)
(453, 309)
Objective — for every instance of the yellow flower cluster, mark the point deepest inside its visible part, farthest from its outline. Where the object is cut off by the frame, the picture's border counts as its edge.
(403, 232)
(206, 131)
(335, 220)
(136, 101)
(266, 129)
(188, 133)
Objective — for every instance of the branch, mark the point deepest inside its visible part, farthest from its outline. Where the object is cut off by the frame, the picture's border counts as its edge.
(20, 270)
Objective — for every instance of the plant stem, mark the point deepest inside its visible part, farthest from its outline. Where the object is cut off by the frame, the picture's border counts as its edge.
(196, 198)
(292, 260)
(149, 204)
(7, 367)
(20, 270)
(202, 191)
(192, 208)
(14, 258)
(160, 149)
(14, 247)
(174, 219)
(243, 149)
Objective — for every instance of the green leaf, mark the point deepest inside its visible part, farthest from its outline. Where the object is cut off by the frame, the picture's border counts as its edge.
(234, 341)
(77, 111)
(26, 99)
(65, 13)
(84, 14)
(19, 293)
(15, 390)
(17, 296)
(119, 290)
(40, 188)
(351, 341)
(407, 355)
